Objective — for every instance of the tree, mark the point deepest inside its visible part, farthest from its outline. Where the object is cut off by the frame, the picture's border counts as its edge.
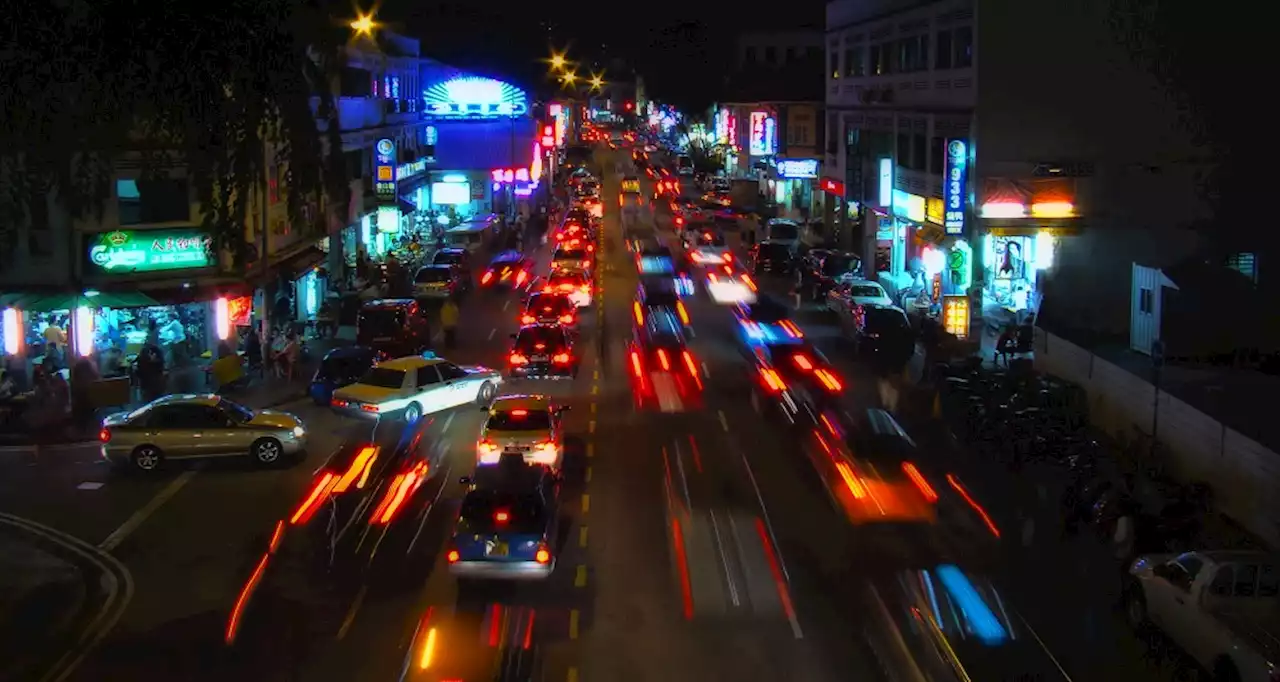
(211, 87)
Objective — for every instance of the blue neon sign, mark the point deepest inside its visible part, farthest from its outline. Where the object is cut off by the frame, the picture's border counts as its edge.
(955, 185)
(798, 168)
(472, 97)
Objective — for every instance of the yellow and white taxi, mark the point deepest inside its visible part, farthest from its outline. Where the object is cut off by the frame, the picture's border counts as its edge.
(416, 385)
(529, 426)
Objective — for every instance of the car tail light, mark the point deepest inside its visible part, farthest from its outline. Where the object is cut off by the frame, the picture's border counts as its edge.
(829, 380)
(802, 361)
(543, 556)
(338, 402)
(692, 366)
(559, 236)
(585, 263)
(636, 367)
(565, 287)
(561, 358)
(370, 408)
(528, 319)
(746, 279)
(638, 312)
(664, 360)
(791, 329)
(313, 499)
(684, 314)
(521, 278)
(566, 319)
(544, 453)
(591, 248)
(487, 452)
(453, 556)
(772, 381)
(517, 359)
(501, 516)
(104, 435)
(488, 277)
(917, 478)
(728, 257)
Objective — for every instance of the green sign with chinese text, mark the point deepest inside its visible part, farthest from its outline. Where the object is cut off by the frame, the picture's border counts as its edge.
(135, 251)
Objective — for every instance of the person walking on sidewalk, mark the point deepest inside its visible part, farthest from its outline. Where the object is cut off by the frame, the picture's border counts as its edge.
(449, 322)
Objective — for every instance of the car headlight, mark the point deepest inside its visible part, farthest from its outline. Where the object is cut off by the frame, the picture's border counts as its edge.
(299, 432)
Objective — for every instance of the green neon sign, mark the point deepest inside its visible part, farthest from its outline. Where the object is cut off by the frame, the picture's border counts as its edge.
(131, 251)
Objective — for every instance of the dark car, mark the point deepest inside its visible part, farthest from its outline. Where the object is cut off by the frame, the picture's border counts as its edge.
(393, 327)
(550, 308)
(664, 372)
(458, 257)
(821, 270)
(660, 294)
(340, 367)
(508, 269)
(542, 351)
(507, 527)
(793, 379)
(885, 333)
(776, 258)
(438, 282)
(767, 321)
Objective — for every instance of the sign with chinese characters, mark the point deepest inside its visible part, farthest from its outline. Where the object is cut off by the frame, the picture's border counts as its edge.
(408, 170)
(764, 134)
(934, 210)
(832, 186)
(549, 135)
(472, 97)
(135, 251)
(722, 126)
(955, 185)
(384, 170)
(797, 168)
(955, 315)
(433, 136)
(908, 206)
(510, 175)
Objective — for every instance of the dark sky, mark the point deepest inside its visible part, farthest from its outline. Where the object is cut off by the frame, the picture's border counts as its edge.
(682, 50)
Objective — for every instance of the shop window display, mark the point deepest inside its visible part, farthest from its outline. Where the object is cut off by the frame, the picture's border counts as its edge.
(1010, 269)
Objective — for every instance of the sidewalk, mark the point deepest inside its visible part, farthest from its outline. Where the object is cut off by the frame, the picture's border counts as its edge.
(42, 598)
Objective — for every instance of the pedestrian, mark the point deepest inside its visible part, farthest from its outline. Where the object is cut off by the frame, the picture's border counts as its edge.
(449, 322)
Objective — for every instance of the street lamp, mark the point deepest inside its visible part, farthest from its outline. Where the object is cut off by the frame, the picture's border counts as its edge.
(557, 61)
(569, 79)
(597, 81)
(363, 25)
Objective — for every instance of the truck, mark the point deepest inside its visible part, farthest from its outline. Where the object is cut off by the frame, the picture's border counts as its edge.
(1219, 606)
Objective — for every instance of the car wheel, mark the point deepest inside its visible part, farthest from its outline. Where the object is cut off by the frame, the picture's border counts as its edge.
(412, 411)
(147, 458)
(484, 397)
(1135, 607)
(266, 451)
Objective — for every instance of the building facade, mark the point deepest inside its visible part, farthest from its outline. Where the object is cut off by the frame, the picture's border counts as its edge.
(978, 157)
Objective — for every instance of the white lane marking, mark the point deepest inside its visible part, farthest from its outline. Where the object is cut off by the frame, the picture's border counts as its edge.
(724, 423)
(684, 482)
(90, 485)
(492, 332)
(706, 371)
(1044, 647)
(447, 421)
(506, 304)
(139, 517)
(427, 513)
(724, 559)
(768, 523)
(355, 607)
(119, 592)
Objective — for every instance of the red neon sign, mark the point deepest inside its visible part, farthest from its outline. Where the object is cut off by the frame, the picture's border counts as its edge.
(832, 186)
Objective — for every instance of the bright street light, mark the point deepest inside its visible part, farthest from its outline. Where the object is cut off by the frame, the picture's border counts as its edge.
(557, 61)
(597, 81)
(363, 25)
(569, 78)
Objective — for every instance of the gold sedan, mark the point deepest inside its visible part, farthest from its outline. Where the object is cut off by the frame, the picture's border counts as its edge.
(199, 426)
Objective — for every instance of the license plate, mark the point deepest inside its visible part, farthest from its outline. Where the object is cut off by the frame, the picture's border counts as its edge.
(538, 358)
(498, 549)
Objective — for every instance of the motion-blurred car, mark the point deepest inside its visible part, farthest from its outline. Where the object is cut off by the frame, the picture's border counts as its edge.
(794, 380)
(657, 294)
(416, 385)
(458, 257)
(510, 269)
(542, 351)
(728, 285)
(880, 331)
(573, 283)
(782, 231)
(766, 321)
(527, 426)
(340, 367)
(177, 427)
(507, 525)
(822, 270)
(574, 255)
(772, 258)
(664, 373)
(572, 231)
(552, 308)
(708, 247)
(438, 282)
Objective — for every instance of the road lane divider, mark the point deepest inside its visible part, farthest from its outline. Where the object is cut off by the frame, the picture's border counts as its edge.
(580, 577)
(139, 517)
(591, 426)
(352, 611)
(591, 450)
(724, 423)
(586, 503)
(574, 616)
(572, 675)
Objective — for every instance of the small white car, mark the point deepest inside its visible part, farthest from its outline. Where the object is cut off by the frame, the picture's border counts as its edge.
(857, 292)
(529, 426)
(416, 385)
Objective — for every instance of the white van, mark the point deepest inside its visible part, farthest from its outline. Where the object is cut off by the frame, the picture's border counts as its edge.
(473, 234)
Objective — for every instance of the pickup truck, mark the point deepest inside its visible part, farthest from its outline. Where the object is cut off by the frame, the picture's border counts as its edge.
(1220, 607)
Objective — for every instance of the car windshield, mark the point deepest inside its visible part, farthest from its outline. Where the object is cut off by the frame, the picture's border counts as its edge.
(660, 297)
(570, 254)
(768, 250)
(839, 264)
(236, 411)
(524, 513)
(549, 303)
(865, 290)
(520, 420)
(428, 275)
(886, 319)
(784, 231)
(380, 323)
(383, 377)
(447, 258)
(530, 338)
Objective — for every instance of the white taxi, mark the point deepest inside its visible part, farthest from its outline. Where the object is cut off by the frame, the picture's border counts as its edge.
(529, 426)
(416, 385)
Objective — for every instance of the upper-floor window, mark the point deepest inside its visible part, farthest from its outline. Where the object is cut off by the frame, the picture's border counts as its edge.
(770, 54)
(157, 200)
(749, 55)
(881, 61)
(964, 46)
(935, 156)
(904, 151)
(854, 66)
(918, 151)
(943, 55)
(833, 57)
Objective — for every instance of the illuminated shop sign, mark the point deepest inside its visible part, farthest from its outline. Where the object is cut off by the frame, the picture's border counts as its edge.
(509, 175)
(131, 251)
(798, 168)
(832, 186)
(908, 206)
(408, 170)
(886, 182)
(471, 97)
(764, 134)
(955, 185)
(384, 170)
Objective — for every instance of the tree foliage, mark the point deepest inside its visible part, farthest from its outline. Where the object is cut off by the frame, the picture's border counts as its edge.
(210, 87)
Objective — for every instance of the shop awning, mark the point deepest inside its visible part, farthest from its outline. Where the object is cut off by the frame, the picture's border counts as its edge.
(44, 303)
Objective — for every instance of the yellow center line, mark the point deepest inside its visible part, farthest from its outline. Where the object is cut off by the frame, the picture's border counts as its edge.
(573, 628)
(591, 426)
(582, 536)
(586, 503)
(595, 389)
(580, 580)
(573, 675)
(595, 376)
(587, 475)
(594, 407)
(591, 449)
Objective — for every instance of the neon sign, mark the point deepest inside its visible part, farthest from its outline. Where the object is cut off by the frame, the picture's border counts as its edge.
(384, 172)
(955, 184)
(798, 168)
(128, 251)
(764, 134)
(510, 175)
(471, 97)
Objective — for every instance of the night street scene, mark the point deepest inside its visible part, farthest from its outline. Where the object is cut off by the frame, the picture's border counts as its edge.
(459, 341)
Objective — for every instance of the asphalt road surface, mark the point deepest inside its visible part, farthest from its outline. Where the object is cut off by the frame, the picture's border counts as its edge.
(700, 545)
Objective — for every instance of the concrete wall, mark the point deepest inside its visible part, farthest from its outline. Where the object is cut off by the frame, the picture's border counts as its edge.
(1244, 474)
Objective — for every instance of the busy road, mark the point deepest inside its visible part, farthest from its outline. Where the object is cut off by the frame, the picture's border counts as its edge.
(696, 543)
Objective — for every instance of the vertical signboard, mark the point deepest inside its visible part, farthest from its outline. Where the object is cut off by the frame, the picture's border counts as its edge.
(885, 173)
(384, 171)
(759, 143)
(955, 185)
